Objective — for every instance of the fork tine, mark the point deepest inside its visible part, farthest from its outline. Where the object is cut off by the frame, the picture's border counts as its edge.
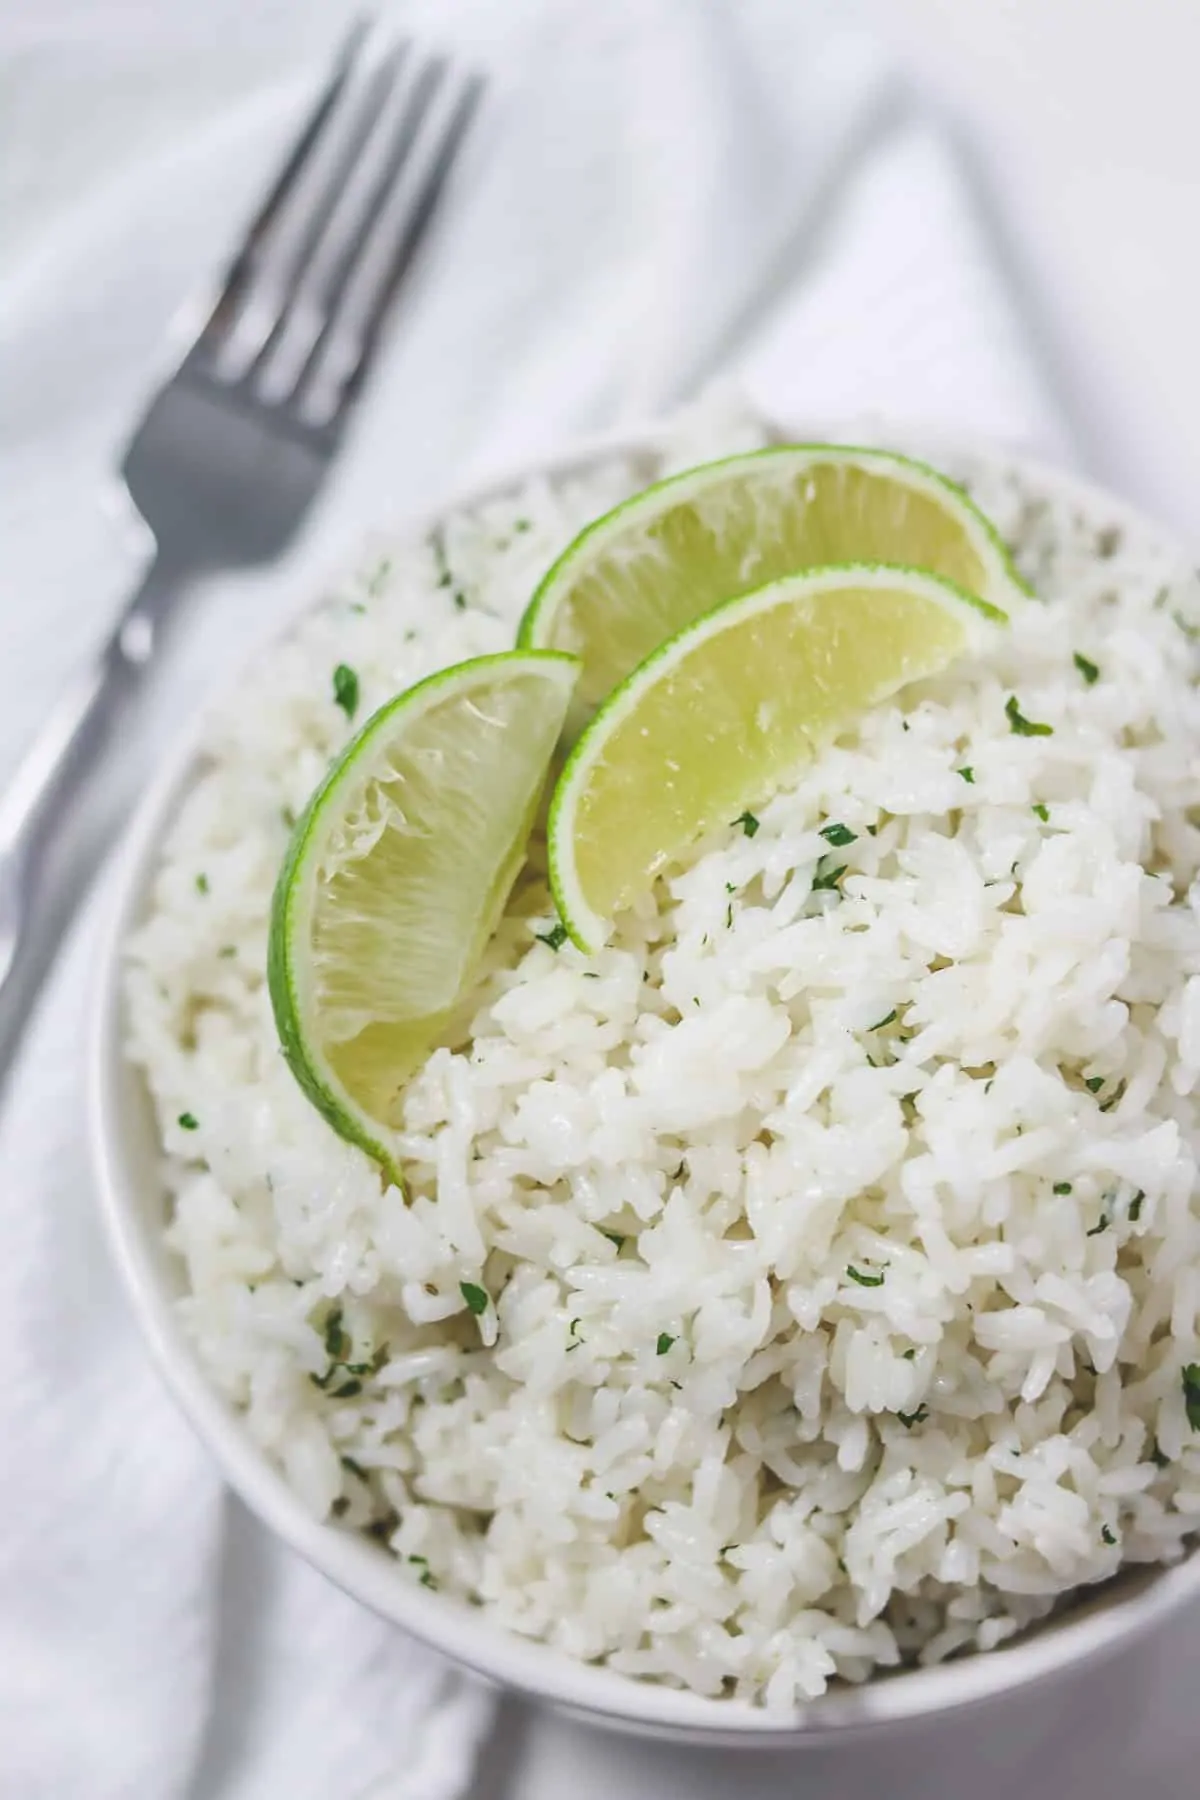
(242, 267)
(382, 254)
(364, 197)
(281, 276)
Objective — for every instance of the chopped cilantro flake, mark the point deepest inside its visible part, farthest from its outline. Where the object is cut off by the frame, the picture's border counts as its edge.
(345, 689)
(888, 1019)
(1062, 1187)
(863, 1280)
(1089, 670)
(354, 1468)
(910, 1355)
(188, 1122)
(1108, 1534)
(748, 823)
(555, 938)
(348, 1390)
(1020, 725)
(1042, 812)
(429, 1579)
(827, 881)
(460, 600)
(1094, 1083)
(1102, 1226)
(665, 1340)
(1135, 1206)
(614, 1237)
(1191, 1394)
(839, 836)
(340, 1507)
(908, 1420)
(202, 883)
(336, 1341)
(475, 1297)
(967, 773)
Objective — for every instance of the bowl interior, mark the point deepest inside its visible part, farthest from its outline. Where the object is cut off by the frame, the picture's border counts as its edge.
(126, 1147)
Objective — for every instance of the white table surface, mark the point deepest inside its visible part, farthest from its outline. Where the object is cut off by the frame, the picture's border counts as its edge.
(1089, 133)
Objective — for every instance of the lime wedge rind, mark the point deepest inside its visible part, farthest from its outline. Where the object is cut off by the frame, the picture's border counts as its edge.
(974, 621)
(549, 620)
(290, 976)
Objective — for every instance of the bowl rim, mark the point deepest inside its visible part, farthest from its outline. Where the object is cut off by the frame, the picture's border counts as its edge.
(1116, 1614)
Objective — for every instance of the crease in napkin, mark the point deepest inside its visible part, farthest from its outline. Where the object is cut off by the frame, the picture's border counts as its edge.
(661, 197)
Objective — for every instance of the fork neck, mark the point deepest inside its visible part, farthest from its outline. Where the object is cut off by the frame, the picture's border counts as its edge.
(135, 639)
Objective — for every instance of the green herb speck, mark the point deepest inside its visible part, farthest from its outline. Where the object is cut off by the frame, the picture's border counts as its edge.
(908, 1420)
(1135, 1206)
(188, 1122)
(336, 1341)
(1094, 1083)
(460, 600)
(967, 773)
(340, 1507)
(349, 1390)
(748, 823)
(1062, 1187)
(522, 525)
(1191, 1394)
(1042, 812)
(345, 689)
(838, 835)
(1157, 1458)
(827, 882)
(348, 1463)
(202, 884)
(863, 1280)
(614, 1237)
(429, 1579)
(1108, 1534)
(665, 1340)
(475, 1297)
(910, 1355)
(1102, 1226)
(555, 938)
(1113, 1099)
(1088, 669)
(1020, 725)
(888, 1019)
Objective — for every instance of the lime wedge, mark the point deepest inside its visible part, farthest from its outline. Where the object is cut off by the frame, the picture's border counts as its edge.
(645, 570)
(397, 874)
(731, 709)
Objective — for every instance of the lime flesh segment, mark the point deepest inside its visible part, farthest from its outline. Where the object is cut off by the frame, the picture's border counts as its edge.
(645, 570)
(731, 709)
(397, 874)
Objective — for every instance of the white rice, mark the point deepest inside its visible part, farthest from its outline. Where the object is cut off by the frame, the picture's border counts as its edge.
(796, 1364)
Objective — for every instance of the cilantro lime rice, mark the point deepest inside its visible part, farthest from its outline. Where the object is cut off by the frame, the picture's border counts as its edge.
(809, 1282)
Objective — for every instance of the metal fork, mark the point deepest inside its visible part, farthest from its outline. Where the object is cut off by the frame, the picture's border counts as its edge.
(232, 450)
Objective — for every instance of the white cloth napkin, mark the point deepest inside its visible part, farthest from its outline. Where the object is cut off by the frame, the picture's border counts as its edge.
(658, 195)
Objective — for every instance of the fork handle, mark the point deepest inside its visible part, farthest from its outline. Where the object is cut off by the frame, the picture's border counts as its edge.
(45, 788)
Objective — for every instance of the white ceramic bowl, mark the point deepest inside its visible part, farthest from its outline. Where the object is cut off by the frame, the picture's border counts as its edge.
(127, 1158)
